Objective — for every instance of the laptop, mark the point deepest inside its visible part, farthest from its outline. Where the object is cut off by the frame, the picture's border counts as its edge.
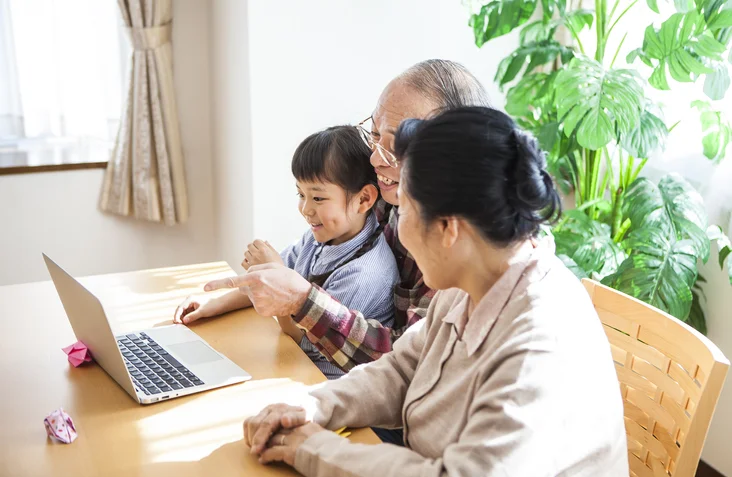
(152, 365)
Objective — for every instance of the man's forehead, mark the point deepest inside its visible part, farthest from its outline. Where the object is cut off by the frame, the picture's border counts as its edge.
(399, 102)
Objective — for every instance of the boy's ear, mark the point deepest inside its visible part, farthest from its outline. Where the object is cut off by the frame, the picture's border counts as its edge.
(367, 198)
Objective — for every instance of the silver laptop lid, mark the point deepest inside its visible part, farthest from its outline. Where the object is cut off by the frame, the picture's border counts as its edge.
(90, 324)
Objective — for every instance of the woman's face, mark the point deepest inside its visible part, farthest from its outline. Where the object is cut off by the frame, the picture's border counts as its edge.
(426, 243)
(397, 102)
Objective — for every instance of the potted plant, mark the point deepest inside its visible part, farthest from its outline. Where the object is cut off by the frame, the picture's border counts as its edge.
(599, 127)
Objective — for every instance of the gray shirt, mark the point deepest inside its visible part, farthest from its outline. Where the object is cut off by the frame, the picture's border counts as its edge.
(365, 284)
(524, 386)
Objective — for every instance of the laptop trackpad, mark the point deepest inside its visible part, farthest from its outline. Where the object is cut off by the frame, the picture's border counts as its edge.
(194, 352)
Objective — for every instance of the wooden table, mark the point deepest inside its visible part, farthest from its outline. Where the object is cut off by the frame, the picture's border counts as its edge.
(193, 435)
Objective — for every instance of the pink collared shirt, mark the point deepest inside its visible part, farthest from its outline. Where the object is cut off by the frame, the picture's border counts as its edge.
(528, 389)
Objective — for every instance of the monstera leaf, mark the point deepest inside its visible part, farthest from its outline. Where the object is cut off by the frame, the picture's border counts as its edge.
(498, 17)
(683, 46)
(680, 5)
(660, 271)
(572, 266)
(696, 316)
(647, 137)
(532, 92)
(673, 208)
(588, 243)
(529, 56)
(716, 83)
(597, 103)
(715, 234)
(717, 131)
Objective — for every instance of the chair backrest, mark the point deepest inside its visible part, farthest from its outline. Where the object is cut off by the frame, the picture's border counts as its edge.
(670, 379)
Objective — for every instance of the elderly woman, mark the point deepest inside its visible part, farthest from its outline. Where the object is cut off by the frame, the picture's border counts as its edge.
(510, 372)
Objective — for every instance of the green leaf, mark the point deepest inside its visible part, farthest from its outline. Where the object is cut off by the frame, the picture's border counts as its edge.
(648, 136)
(682, 46)
(537, 31)
(548, 7)
(588, 243)
(719, 20)
(548, 135)
(597, 103)
(533, 54)
(660, 271)
(696, 314)
(682, 6)
(717, 83)
(673, 208)
(716, 234)
(499, 17)
(576, 20)
(716, 129)
(572, 266)
(528, 94)
(638, 53)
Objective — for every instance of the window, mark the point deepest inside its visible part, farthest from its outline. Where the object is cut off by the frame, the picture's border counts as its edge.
(62, 78)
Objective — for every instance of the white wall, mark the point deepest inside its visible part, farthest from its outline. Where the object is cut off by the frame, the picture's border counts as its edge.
(231, 125)
(321, 63)
(719, 323)
(57, 213)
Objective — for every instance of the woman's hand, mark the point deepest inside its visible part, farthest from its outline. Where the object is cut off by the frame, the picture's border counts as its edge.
(274, 289)
(260, 252)
(259, 429)
(282, 447)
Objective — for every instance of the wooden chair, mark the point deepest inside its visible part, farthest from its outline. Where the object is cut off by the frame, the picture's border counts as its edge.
(670, 379)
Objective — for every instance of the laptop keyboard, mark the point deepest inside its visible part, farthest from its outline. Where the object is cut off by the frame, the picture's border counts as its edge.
(153, 369)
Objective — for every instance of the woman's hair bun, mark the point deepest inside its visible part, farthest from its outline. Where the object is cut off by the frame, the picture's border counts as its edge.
(534, 188)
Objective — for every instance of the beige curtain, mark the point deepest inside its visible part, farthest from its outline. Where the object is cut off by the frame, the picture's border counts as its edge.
(145, 177)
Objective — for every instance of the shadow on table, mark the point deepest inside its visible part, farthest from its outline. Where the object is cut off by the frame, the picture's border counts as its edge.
(232, 459)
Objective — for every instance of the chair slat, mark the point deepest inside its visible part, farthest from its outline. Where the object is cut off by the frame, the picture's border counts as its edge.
(670, 378)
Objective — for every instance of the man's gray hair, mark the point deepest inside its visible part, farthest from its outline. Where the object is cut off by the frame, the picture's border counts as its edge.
(446, 83)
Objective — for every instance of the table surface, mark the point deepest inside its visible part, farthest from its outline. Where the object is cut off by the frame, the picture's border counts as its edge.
(193, 435)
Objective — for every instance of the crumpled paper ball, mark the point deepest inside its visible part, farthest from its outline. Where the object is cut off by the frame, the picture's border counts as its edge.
(60, 426)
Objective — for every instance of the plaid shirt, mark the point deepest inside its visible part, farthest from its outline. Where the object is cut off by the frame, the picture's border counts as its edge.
(346, 337)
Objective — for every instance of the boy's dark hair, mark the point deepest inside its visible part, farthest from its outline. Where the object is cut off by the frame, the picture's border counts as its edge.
(337, 155)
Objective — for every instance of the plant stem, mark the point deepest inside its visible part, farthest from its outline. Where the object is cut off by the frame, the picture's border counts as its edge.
(622, 14)
(628, 172)
(612, 11)
(576, 39)
(592, 181)
(601, 24)
(615, 57)
(637, 171)
(616, 217)
(620, 235)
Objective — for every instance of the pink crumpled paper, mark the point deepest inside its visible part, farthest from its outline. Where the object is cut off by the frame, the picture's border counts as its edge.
(60, 426)
(78, 353)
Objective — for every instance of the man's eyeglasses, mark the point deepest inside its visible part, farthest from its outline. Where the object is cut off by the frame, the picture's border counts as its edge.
(387, 156)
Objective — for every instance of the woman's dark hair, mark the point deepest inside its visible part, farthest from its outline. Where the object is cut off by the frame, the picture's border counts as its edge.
(336, 155)
(475, 163)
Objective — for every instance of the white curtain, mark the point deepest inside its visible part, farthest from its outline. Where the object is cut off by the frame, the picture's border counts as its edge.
(61, 70)
(145, 176)
(11, 116)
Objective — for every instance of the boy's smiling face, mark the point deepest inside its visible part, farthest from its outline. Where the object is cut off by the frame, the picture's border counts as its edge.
(333, 218)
